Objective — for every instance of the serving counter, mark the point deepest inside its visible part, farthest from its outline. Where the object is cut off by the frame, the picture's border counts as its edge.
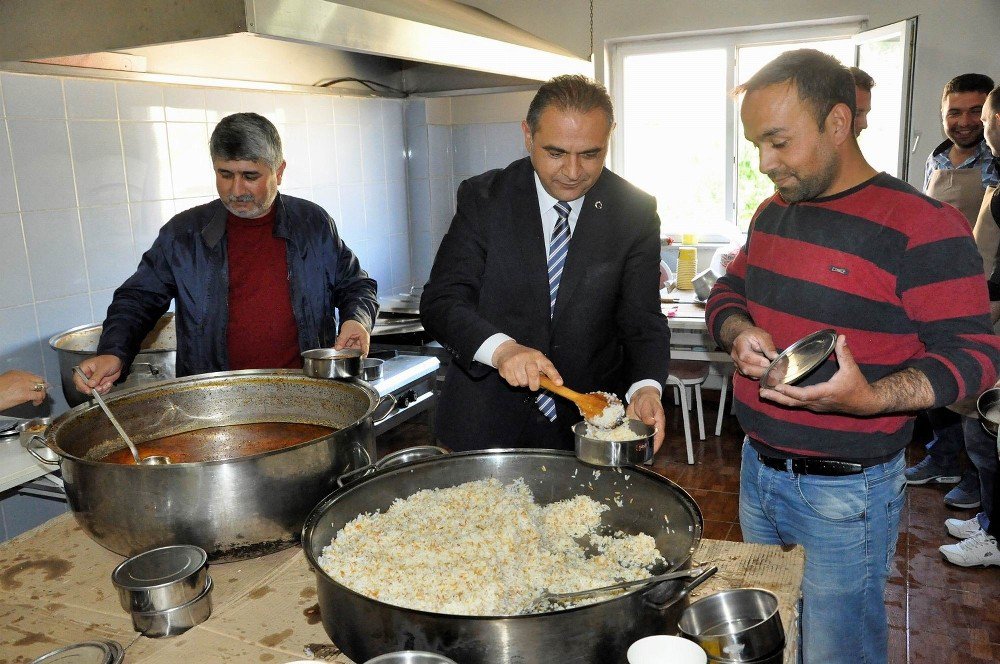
(55, 589)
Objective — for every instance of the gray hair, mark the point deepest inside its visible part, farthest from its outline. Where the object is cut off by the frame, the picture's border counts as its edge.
(570, 92)
(246, 137)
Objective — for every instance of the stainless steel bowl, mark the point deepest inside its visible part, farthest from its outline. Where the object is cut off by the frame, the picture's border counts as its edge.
(411, 657)
(158, 624)
(36, 428)
(740, 625)
(161, 579)
(800, 359)
(330, 363)
(988, 405)
(598, 452)
(371, 368)
(703, 282)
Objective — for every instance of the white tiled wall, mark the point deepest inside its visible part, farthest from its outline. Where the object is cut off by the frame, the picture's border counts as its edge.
(441, 156)
(90, 170)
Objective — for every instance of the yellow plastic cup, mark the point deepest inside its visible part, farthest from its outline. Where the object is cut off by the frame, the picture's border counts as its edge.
(689, 238)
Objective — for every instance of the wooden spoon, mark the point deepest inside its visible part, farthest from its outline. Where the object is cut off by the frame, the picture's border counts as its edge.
(592, 404)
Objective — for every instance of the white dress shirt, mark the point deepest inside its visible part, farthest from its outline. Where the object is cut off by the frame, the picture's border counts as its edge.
(546, 207)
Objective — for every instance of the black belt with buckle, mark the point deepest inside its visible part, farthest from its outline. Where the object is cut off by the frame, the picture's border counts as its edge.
(813, 466)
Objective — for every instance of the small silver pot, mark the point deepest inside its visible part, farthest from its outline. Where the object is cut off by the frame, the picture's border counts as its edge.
(741, 625)
(330, 363)
(598, 452)
(161, 579)
(159, 624)
(988, 406)
(703, 282)
(411, 657)
(371, 368)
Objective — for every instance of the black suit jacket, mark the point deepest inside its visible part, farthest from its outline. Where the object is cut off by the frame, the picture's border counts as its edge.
(490, 276)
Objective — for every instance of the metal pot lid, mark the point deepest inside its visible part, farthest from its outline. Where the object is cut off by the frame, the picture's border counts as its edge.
(159, 567)
(799, 359)
(86, 652)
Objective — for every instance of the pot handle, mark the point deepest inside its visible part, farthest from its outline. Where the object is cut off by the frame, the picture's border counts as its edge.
(153, 369)
(382, 418)
(389, 461)
(684, 592)
(35, 454)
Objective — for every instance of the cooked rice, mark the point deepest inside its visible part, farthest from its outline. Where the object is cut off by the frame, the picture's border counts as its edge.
(613, 413)
(482, 548)
(621, 432)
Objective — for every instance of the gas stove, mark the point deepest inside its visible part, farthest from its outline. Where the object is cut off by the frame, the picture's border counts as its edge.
(410, 379)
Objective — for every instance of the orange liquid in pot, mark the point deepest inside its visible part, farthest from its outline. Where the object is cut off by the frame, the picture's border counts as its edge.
(222, 443)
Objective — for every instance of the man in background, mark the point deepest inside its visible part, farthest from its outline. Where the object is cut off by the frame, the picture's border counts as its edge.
(978, 535)
(958, 172)
(550, 267)
(256, 276)
(863, 84)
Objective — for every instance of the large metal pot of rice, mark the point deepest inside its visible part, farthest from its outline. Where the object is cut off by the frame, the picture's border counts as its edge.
(640, 501)
(272, 444)
(155, 361)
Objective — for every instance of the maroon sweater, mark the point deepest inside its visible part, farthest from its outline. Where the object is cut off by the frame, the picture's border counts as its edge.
(894, 271)
(262, 333)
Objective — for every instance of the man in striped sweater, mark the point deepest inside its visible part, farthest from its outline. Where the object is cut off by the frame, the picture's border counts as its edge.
(898, 276)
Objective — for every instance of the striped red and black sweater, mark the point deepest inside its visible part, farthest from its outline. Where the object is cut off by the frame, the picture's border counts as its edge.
(896, 272)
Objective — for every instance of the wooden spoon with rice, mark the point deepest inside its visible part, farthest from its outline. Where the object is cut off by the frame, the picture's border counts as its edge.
(599, 409)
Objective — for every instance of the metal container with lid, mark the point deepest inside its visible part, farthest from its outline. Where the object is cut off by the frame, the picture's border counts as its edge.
(162, 578)
(87, 652)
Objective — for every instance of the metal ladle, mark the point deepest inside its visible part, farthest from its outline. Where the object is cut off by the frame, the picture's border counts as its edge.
(153, 460)
(560, 598)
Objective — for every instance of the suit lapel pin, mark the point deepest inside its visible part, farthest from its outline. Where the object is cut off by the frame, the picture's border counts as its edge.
(599, 205)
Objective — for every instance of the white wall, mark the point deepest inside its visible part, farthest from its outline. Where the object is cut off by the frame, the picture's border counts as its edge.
(451, 139)
(953, 37)
(90, 170)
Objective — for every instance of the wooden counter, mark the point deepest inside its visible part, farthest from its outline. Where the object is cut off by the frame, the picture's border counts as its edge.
(55, 589)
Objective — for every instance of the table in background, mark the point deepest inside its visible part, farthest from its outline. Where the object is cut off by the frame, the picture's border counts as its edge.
(57, 590)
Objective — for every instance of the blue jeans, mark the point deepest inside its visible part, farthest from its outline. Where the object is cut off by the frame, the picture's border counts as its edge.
(982, 450)
(948, 443)
(848, 526)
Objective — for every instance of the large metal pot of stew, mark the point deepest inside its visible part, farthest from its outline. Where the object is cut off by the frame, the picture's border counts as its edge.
(251, 453)
(640, 501)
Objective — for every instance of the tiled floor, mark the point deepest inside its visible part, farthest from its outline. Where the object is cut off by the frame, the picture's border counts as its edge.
(938, 613)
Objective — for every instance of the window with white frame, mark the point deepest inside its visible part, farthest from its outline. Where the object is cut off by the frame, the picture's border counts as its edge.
(679, 135)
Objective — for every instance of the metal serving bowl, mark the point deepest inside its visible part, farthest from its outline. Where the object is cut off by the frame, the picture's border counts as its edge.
(598, 452)
(162, 578)
(330, 363)
(740, 625)
(371, 368)
(158, 624)
(988, 406)
(411, 657)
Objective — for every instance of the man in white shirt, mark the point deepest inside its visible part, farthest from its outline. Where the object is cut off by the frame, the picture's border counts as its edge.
(550, 267)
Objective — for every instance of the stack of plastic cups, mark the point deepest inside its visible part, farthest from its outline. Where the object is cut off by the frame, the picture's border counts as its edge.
(687, 267)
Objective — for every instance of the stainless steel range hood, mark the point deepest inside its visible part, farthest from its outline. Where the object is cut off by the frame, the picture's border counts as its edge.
(415, 45)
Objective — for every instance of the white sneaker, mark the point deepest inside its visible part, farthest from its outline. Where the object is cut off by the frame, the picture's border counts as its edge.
(963, 528)
(980, 549)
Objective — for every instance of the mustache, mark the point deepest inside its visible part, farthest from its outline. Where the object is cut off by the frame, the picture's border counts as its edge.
(245, 198)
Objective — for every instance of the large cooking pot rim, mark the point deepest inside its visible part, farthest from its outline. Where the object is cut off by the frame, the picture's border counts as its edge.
(123, 394)
(55, 339)
(342, 493)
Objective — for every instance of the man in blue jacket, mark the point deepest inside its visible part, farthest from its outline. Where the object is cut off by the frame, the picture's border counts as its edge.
(256, 276)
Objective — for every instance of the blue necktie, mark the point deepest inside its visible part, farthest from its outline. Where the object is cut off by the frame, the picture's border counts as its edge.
(558, 248)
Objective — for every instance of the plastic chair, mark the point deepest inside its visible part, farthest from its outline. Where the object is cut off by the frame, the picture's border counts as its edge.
(727, 378)
(685, 375)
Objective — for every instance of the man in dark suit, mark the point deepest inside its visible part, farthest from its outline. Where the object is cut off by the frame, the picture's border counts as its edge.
(551, 267)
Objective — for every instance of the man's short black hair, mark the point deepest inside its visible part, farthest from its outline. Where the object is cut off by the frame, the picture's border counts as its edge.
(862, 79)
(968, 83)
(820, 80)
(570, 92)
